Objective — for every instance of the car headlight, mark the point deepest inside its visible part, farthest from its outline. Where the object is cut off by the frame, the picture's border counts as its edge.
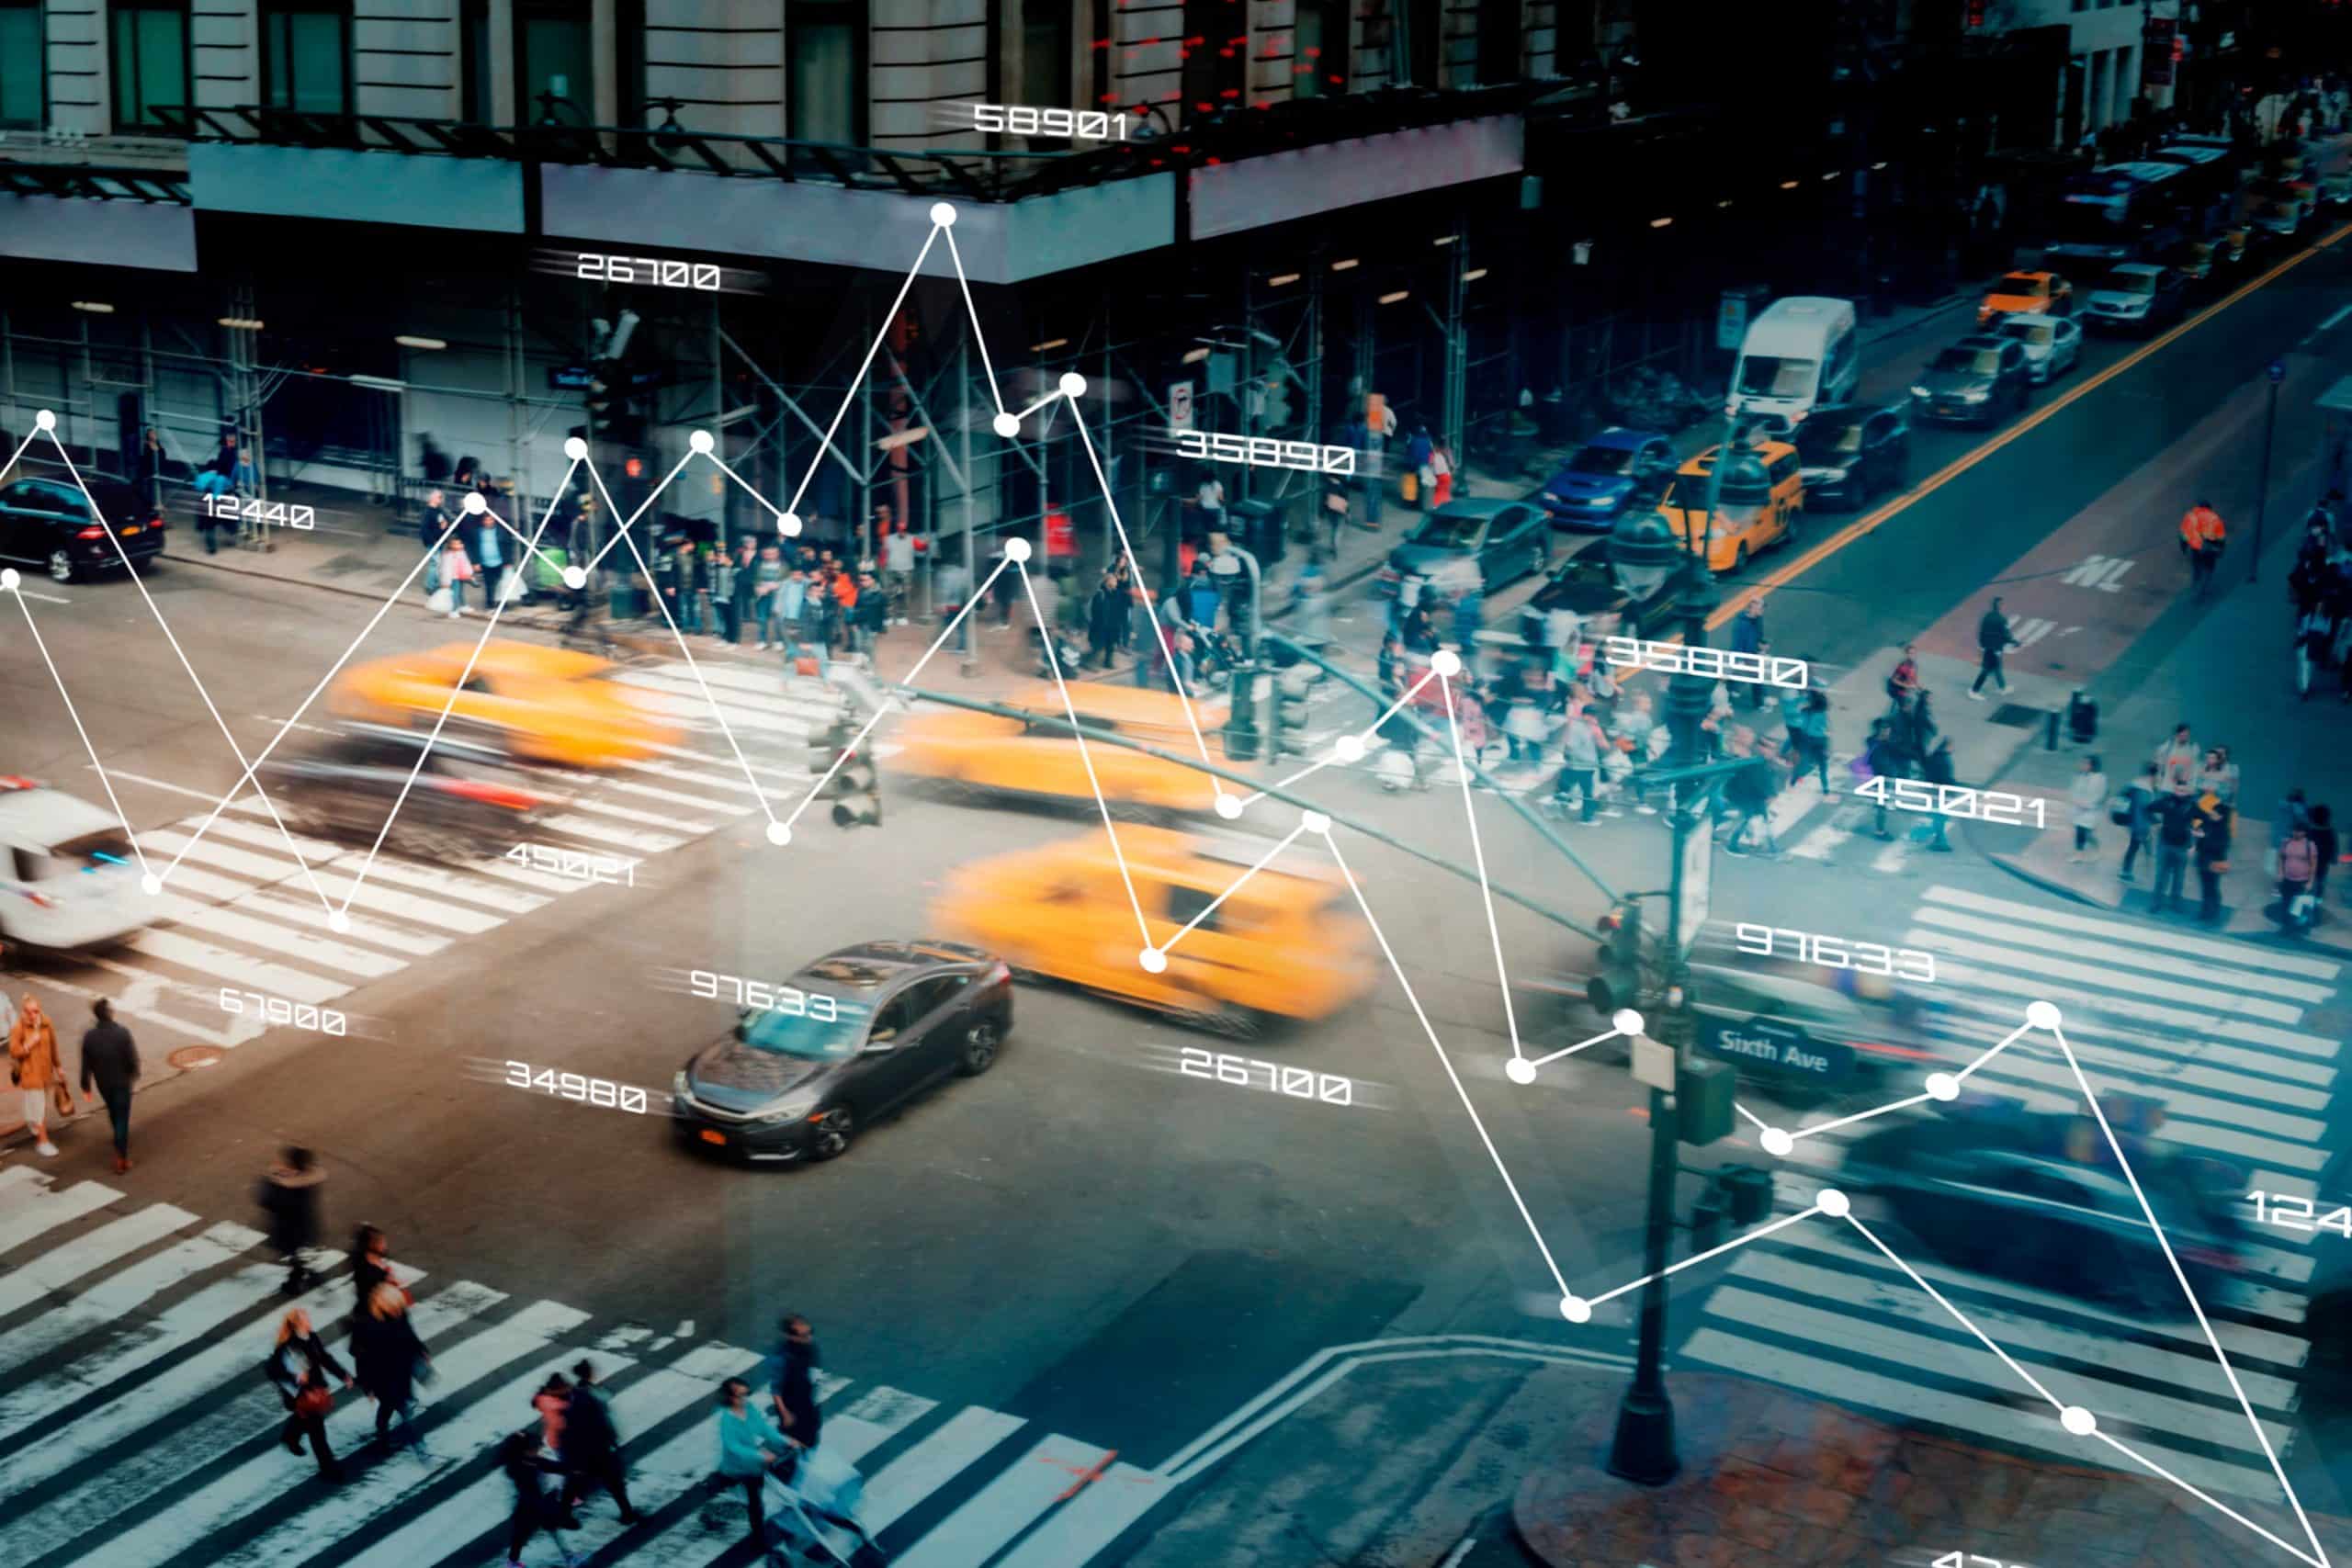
(791, 1108)
(1831, 477)
(1975, 395)
(1921, 392)
(681, 1088)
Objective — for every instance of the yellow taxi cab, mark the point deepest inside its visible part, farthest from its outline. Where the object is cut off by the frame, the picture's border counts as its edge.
(1761, 505)
(1287, 943)
(996, 754)
(2027, 293)
(546, 705)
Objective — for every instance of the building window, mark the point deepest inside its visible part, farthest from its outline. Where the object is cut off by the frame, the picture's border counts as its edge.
(149, 58)
(23, 58)
(1214, 66)
(629, 64)
(476, 104)
(554, 62)
(1045, 53)
(824, 71)
(1499, 36)
(1424, 40)
(1319, 38)
(306, 56)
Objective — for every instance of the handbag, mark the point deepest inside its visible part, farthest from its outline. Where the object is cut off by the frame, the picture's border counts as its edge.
(315, 1402)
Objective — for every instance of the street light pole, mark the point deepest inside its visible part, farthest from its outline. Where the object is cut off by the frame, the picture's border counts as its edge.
(2262, 491)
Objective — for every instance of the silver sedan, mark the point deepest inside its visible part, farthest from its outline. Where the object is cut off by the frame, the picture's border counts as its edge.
(2052, 345)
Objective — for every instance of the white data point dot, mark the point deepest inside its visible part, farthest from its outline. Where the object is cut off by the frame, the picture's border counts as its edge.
(2077, 1420)
(943, 215)
(338, 922)
(8, 578)
(1777, 1142)
(575, 449)
(701, 440)
(2041, 1015)
(1518, 1069)
(778, 833)
(1315, 821)
(575, 577)
(1446, 662)
(788, 524)
(1575, 1309)
(1834, 1203)
(45, 420)
(1016, 549)
(475, 503)
(1152, 959)
(1349, 749)
(1229, 805)
(1626, 1021)
(1073, 383)
(151, 885)
(1006, 424)
(1942, 1085)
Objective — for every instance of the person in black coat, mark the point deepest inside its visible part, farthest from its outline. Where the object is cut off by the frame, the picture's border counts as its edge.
(111, 1063)
(299, 1366)
(289, 1194)
(529, 1470)
(792, 1381)
(386, 1351)
(591, 1447)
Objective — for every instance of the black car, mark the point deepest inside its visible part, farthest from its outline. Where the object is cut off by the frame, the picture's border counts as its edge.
(1978, 380)
(1504, 539)
(842, 1041)
(459, 801)
(1587, 583)
(48, 522)
(1853, 455)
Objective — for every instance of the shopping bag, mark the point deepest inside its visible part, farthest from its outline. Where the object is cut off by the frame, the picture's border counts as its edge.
(1409, 487)
(511, 587)
(439, 602)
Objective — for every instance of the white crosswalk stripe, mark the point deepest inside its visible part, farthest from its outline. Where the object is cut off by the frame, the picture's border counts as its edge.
(241, 911)
(136, 1427)
(2219, 1034)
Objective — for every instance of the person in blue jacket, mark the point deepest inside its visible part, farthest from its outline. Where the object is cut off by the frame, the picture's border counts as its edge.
(749, 1446)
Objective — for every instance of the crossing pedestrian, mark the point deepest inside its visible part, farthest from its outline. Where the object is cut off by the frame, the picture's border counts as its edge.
(1747, 638)
(2088, 791)
(371, 1265)
(110, 1061)
(592, 1446)
(1581, 743)
(387, 1356)
(553, 1402)
(1880, 759)
(749, 1446)
(1994, 639)
(1937, 769)
(527, 1468)
(2135, 816)
(300, 1367)
(2175, 820)
(792, 1385)
(289, 1195)
(1749, 792)
(33, 1069)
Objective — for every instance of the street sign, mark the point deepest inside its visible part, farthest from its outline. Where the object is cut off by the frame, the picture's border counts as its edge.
(1180, 406)
(1775, 1047)
(1698, 862)
(1653, 1064)
(1730, 319)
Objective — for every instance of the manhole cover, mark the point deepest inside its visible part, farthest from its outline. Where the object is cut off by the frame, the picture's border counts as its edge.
(191, 1056)
(2017, 715)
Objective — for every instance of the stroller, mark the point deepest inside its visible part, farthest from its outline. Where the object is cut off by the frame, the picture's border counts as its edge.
(812, 1500)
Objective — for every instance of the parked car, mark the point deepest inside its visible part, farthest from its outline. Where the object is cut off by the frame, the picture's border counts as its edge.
(1852, 454)
(2196, 261)
(50, 523)
(814, 1059)
(2026, 293)
(1759, 504)
(1978, 380)
(1504, 539)
(2052, 346)
(1590, 490)
(2138, 296)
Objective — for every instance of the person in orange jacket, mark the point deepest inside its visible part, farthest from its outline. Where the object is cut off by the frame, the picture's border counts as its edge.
(2202, 535)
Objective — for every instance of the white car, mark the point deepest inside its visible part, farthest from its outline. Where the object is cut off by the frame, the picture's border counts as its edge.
(2052, 345)
(68, 877)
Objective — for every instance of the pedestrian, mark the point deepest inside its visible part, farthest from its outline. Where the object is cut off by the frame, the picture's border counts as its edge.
(1749, 792)
(723, 566)
(1904, 680)
(2297, 868)
(1811, 731)
(110, 1060)
(898, 552)
(840, 626)
(1880, 759)
(553, 1401)
(789, 616)
(1203, 599)
(33, 1068)
(2135, 816)
(371, 1265)
(2175, 757)
(1416, 456)
(387, 1356)
(1581, 743)
(527, 1468)
(2324, 848)
(433, 533)
(1747, 638)
(749, 1445)
(1994, 639)
(1469, 617)
(489, 559)
(2202, 539)
(792, 1387)
(2088, 791)
(217, 482)
(289, 1194)
(1103, 614)
(694, 583)
(592, 1451)
(1007, 587)
(300, 1367)
(1210, 499)
(2212, 856)
(152, 464)
(2293, 813)
(873, 615)
(1440, 466)
(2175, 822)
(2221, 775)
(1937, 769)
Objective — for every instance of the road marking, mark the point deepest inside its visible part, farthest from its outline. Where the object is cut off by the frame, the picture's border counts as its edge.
(60, 1266)
(922, 1469)
(1871, 523)
(1001, 1509)
(2103, 573)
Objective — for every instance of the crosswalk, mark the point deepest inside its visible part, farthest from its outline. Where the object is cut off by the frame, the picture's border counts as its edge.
(136, 1427)
(2222, 1035)
(240, 911)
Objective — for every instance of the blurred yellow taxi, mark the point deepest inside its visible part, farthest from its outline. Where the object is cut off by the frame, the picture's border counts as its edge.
(2026, 293)
(545, 704)
(1013, 756)
(1287, 943)
(1761, 505)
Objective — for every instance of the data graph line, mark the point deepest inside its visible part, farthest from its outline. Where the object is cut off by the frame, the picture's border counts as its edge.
(1957, 1316)
(1808, 1131)
(889, 319)
(2136, 1457)
(1362, 738)
(1569, 1050)
(979, 337)
(1759, 1233)
(1231, 888)
(1478, 855)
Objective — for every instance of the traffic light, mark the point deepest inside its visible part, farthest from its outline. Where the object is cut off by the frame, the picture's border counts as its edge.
(1291, 688)
(1618, 982)
(1737, 1197)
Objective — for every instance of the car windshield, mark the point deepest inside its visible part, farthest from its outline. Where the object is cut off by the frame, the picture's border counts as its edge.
(1767, 376)
(1969, 361)
(810, 1038)
(2037, 332)
(2020, 283)
(1819, 441)
(2129, 283)
(1457, 532)
(1602, 460)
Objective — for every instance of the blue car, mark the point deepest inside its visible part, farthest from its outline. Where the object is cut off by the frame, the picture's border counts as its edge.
(1592, 489)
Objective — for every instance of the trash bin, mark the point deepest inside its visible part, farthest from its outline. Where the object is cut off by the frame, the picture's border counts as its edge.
(1259, 526)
